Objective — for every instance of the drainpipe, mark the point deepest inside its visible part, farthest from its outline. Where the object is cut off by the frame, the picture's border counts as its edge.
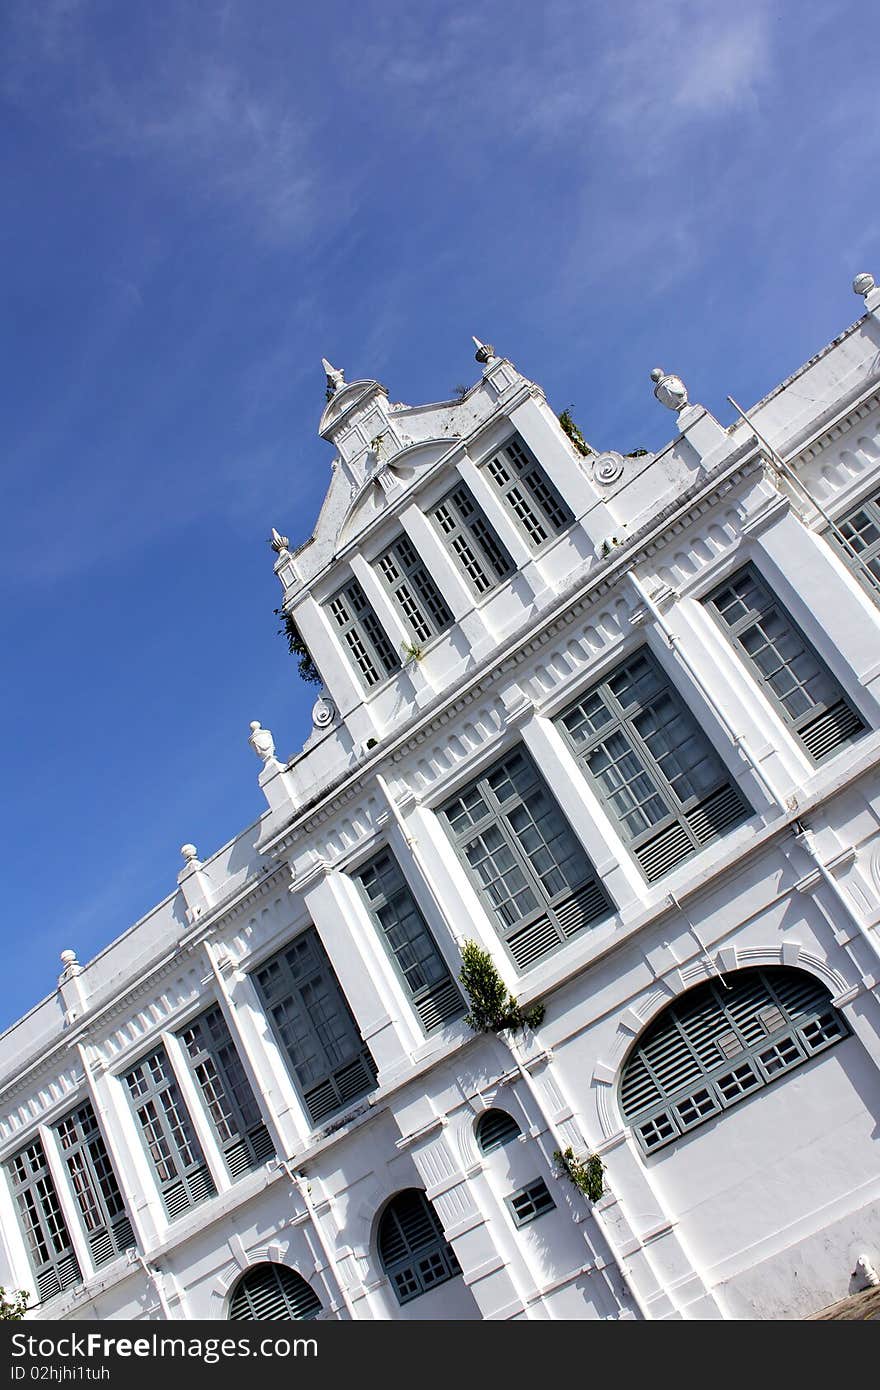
(804, 836)
(561, 1143)
(156, 1281)
(737, 739)
(302, 1185)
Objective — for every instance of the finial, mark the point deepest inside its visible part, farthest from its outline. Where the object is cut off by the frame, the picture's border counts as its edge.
(261, 741)
(189, 853)
(335, 379)
(278, 542)
(669, 390)
(68, 958)
(485, 351)
(863, 284)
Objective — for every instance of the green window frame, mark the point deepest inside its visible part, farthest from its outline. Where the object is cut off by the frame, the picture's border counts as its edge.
(860, 526)
(409, 942)
(413, 1251)
(229, 1098)
(273, 1293)
(793, 676)
(168, 1136)
(361, 633)
(473, 543)
(406, 577)
(494, 1130)
(50, 1249)
(102, 1210)
(718, 1044)
(524, 860)
(651, 765)
(530, 1202)
(537, 508)
(331, 1065)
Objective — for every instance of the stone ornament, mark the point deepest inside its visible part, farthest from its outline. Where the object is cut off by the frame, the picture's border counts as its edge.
(335, 378)
(669, 390)
(261, 741)
(70, 966)
(280, 544)
(323, 712)
(607, 468)
(863, 284)
(189, 853)
(485, 352)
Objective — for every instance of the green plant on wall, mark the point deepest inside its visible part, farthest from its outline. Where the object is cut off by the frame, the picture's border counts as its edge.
(587, 1174)
(12, 1306)
(308, 671)
(574, 434)
(493, 1007)
(411, 652)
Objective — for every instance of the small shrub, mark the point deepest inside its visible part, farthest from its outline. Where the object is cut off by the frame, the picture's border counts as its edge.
(574, 434)
(587, 1174)
(493, 1007)
(13, 1306)
(308, 671)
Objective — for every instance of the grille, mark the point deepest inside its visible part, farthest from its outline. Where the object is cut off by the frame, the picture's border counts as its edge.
(439, 1004)
(832, 729)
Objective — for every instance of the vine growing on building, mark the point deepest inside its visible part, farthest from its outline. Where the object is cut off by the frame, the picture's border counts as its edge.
(492, 1007)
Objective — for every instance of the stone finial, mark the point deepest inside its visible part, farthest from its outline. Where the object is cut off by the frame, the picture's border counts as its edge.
(68, 958)
(335, 379)
(261, 741)
(70, 967)
(280, 544)
(863, 284)
(189, 853)
(669, 390)
(485, 352)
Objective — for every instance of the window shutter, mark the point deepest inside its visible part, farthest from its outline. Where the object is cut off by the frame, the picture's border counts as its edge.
(475, 547)
(362, 634)
(413, 1251)
(169, 1139)
(95, 1187)
(494, 1129)
(720, 1042)
(411, 586)
(273, 1293)
(229, 1099)
(47, 1238)
(535, 505)
(530, 1202)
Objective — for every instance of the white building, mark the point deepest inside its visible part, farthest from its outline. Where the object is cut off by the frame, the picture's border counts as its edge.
(617, 720)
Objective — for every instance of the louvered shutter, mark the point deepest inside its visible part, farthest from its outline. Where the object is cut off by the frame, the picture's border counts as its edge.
(169, 1138)
(720, 1042)
(272, 1293)
(47, 1237)
(494, 1129)
(229, 1099)
(413, 1251)
(95, 1186)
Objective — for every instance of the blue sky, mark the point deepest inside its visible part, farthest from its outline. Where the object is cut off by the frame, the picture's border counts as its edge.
(202, 199)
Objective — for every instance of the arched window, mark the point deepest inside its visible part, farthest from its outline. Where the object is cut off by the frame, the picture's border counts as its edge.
(495, 1128)
(272, 1293)
(412, 1248)
(720, 1042)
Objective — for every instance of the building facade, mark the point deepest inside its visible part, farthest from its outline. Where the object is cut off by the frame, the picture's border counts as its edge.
(616, 720)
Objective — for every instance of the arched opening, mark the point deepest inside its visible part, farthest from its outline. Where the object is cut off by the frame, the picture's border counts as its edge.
(413, 1250)
(718, 1044)
(272, 1293)
(494, 1129)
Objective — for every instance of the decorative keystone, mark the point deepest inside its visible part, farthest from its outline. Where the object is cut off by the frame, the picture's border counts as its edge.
(669, 390)
(485, 352)
(261, 741)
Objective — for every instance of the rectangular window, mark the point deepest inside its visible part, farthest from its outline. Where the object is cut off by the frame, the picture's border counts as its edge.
(527, 492)
(48, 1240)
(524, 859)
(652, 765)
(227, 1093)
(407, 578)
(331, 1063)
(101, 1207)
(425, 975)
(171, 1144)
(475, 547)
(861, 527)
(530, 1202)
(363, 635)
(791, 673)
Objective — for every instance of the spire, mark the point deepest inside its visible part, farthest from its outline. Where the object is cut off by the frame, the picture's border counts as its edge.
(335, 379)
